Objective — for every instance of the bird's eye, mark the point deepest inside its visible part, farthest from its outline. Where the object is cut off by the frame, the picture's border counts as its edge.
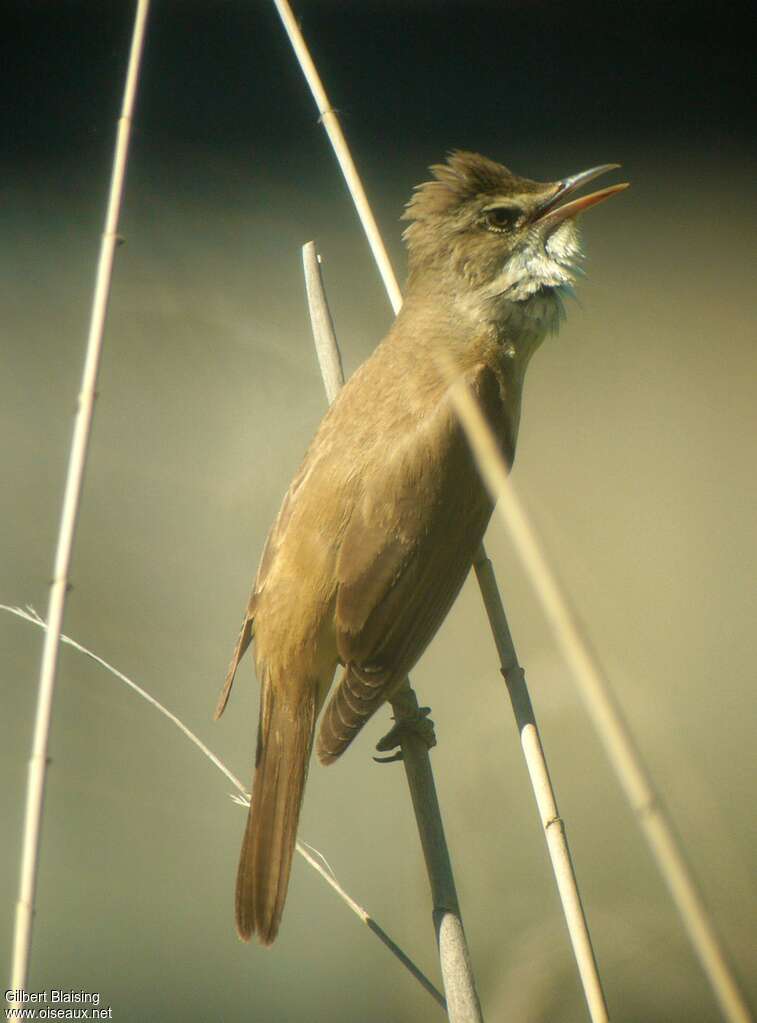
(501, 218)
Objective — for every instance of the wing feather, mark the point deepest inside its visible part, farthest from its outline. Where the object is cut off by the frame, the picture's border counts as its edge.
(405, 554)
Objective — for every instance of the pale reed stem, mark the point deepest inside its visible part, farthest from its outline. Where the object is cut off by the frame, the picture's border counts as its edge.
(603, 711)
(342, 152)
(541, 783)
(71, 499)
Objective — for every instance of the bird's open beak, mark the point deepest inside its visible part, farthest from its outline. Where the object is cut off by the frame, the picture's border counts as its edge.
(551, 213)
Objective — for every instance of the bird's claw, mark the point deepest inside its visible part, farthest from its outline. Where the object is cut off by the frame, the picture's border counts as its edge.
(392, 759)
(417, 723)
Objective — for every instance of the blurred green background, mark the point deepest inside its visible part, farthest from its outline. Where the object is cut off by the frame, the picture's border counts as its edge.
(636, 461)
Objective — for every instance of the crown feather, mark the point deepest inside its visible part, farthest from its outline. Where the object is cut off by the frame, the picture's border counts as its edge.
(464, 176)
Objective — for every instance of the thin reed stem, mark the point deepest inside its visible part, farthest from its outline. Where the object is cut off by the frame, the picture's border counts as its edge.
(603, 710)
(71, 500)
(457, 971)
(342, 152)
(546, 802)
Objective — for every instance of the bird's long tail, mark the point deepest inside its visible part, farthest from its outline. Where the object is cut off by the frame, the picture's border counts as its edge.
(285, 737)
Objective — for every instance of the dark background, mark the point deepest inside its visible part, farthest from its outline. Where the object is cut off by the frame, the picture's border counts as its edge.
(636, 460)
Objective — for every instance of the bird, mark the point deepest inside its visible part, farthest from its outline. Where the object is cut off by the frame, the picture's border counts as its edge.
(378, 529)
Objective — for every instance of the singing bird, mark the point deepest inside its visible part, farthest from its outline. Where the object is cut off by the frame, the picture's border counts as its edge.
(378, 529)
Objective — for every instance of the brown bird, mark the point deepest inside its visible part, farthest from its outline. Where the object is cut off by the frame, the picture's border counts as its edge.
(379, 527)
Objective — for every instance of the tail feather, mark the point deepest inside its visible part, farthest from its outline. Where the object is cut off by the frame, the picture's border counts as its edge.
(285, 738)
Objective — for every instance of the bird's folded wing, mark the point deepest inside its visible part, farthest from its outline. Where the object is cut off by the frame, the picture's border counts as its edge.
(406, 552)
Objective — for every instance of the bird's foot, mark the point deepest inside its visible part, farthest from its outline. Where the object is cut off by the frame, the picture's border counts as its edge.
(406, 722)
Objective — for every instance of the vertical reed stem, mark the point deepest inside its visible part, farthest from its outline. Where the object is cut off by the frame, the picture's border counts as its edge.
(77, 461)
(605, 714)
(463, 1004)
(342, 152)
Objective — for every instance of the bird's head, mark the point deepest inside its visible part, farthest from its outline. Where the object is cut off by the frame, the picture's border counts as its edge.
(492, 237)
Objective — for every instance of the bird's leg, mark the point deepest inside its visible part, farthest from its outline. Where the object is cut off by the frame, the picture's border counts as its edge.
(408, 718)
